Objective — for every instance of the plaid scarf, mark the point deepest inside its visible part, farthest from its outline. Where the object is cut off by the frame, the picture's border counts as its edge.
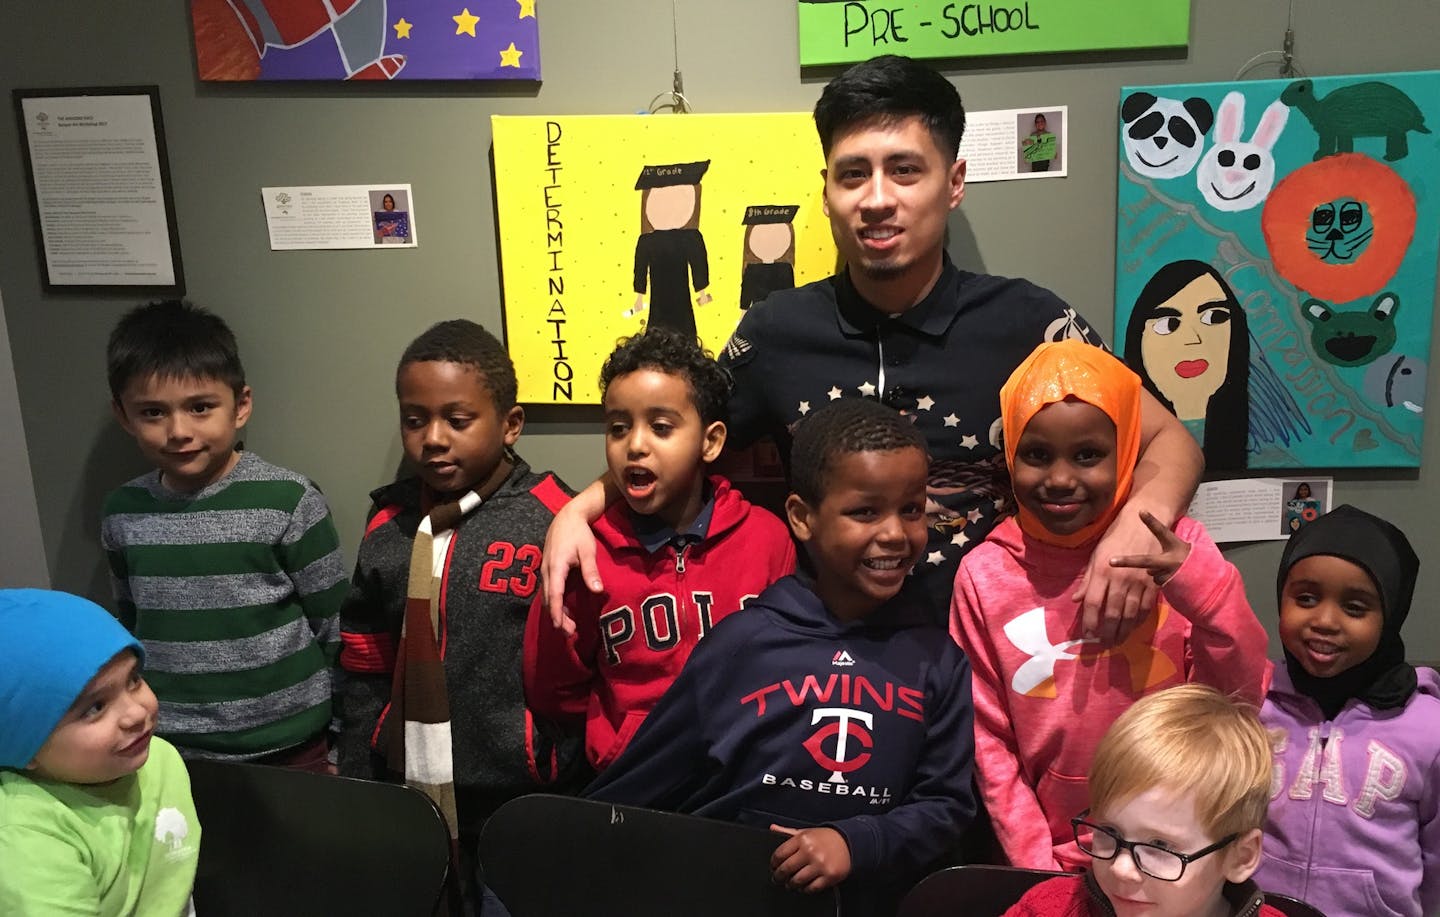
(416, 738)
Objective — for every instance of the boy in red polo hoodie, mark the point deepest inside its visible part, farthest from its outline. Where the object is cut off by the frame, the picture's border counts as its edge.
(680, 552)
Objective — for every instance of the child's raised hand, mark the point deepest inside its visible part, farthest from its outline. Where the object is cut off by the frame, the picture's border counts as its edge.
(1162, 566)
(811, 859)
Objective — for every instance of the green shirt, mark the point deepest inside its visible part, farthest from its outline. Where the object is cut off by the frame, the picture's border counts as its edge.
(111, 849)
(235, 591)
(1040, 147)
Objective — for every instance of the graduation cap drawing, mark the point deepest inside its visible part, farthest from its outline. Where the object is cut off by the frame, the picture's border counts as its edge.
(675, 173)
(770, 213)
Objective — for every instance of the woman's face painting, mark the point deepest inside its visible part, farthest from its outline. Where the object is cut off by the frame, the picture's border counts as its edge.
(769, 241)
(1186, 346)
(670, 207)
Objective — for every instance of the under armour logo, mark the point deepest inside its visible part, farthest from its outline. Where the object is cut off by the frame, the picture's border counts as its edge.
(1036, 676)
(845, 728)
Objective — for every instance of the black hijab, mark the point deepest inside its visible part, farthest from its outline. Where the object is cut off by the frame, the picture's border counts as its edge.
(1384, 680)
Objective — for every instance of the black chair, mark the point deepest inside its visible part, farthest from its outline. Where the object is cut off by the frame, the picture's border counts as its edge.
(280, 842)
(1291, 907)
(989, 891)
(975, 891)
(555, 856)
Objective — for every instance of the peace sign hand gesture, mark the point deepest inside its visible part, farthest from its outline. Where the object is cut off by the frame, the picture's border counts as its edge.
(1162, 566)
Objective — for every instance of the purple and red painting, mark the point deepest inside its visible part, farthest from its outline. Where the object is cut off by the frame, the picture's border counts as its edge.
(366, 39)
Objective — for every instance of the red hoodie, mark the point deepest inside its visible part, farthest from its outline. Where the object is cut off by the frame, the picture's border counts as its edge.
(631, 640)
(1043, 697)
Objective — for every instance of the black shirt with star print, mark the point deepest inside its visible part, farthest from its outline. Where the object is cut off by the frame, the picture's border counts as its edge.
(941, 363)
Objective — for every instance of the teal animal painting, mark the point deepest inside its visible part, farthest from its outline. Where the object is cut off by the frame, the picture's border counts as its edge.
(1276, 261)
(1352, 338)
(1370, 109)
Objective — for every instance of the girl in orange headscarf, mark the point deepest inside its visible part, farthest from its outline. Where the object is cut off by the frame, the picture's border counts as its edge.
(1044, 691)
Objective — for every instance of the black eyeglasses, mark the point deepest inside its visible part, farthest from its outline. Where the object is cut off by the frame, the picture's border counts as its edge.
(1157, 862)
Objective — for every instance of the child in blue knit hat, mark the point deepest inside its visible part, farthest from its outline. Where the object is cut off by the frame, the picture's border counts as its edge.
(95, 812)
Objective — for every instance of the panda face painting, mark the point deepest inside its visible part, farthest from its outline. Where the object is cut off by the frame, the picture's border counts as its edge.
(1163, 138)
(1339, 230)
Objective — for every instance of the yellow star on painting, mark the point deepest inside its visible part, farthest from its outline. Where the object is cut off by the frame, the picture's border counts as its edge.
(465, 23)
(402, 28)
(510, 57)
(527, 8)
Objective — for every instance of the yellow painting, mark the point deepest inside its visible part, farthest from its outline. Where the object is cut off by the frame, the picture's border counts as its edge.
(610, 223)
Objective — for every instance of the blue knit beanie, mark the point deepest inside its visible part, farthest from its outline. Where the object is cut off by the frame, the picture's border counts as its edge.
(51, 645)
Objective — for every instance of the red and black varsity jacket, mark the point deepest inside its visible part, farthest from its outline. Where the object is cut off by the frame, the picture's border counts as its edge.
(492, 571)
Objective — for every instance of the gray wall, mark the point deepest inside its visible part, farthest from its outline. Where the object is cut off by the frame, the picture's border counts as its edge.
(321, 331)
(22, 550)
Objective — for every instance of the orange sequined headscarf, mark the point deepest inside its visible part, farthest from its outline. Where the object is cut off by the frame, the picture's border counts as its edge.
(1073, 369)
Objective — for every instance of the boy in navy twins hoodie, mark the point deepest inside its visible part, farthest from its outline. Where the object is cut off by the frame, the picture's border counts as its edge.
(827, 712)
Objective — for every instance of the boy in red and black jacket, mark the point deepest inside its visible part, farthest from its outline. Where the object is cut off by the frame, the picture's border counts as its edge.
(458, 544)
(681, 550)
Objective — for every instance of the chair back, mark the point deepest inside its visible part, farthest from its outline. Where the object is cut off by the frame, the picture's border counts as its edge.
(971, 891)
(989, 891)
(1291, 907)
(555, 856)
(283, 842)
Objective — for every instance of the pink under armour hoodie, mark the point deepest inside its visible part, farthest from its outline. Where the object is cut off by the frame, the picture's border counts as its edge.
(1044, 695)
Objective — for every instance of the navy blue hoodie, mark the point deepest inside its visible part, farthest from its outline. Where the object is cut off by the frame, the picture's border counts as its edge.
(786, 715)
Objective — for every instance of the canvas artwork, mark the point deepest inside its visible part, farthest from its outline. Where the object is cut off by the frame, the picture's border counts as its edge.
(366, 39)
(609, 224)
(1276, 263)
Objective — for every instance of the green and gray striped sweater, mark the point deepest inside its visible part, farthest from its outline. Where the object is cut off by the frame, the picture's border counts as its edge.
(235, 591)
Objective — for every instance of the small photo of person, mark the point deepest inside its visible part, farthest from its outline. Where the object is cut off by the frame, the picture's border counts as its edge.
(1041, 136)
(1304, 503)
(392, 216)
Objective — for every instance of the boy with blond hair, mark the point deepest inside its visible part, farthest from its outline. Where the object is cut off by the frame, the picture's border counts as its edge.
(1178, 793)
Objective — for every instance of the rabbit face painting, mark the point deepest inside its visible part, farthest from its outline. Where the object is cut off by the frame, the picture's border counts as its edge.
(1236, 175)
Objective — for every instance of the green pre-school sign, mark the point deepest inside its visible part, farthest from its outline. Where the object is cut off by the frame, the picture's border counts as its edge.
(845, 31)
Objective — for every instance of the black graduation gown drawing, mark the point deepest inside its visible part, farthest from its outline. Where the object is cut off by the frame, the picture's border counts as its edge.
(671, 258)
(761, 279)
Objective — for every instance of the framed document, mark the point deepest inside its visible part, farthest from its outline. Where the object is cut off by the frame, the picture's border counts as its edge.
(100, 193)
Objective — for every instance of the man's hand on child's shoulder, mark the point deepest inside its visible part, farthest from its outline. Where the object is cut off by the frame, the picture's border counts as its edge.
(811, 859)
(1161, 566)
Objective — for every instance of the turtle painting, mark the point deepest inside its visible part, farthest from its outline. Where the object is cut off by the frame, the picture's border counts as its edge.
(1370, 109)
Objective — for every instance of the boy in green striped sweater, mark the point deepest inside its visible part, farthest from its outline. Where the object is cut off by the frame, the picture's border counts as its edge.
(226, 567)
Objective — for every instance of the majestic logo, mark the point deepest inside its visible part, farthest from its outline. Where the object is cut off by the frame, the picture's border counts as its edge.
(736, 347)
(1036, 676)
(842, 657)
(848, 728)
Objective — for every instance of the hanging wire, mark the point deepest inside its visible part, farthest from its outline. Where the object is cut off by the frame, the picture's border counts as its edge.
(675, 100)
(1284, 58)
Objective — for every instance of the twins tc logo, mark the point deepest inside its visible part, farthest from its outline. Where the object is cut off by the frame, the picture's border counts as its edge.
(846, 728)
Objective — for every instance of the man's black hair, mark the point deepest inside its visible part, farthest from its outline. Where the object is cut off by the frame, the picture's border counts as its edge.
(842, 428)
(889, 88)
(670, 351)
(172, 340)
(462, 341)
